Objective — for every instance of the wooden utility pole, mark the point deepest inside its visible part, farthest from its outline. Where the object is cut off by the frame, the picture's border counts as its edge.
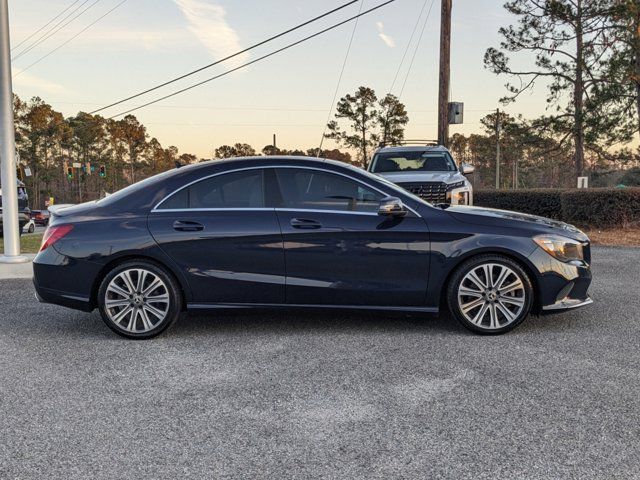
(498, 128)
(445, 61)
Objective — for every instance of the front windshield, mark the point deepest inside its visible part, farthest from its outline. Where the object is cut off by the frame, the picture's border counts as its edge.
(413, 161)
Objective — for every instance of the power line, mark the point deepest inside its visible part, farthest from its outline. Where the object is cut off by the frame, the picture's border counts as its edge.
(413, 57)
(53, 31)
(406, 50)
(70, 39)
(193, 72)
(335, 93)
(44, 26)
(256, 60)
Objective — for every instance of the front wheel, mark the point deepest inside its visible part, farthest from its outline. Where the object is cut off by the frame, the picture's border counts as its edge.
(490, 294)
(139, 300)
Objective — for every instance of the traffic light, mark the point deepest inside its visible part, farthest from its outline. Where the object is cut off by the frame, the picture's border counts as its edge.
(70, 173)
(103, 171)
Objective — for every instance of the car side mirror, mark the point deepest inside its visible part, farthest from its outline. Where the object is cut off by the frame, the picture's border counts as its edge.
(466, 169)
(392, 207)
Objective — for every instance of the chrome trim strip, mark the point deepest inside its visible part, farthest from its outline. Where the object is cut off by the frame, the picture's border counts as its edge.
(568, 303)
(156, 209)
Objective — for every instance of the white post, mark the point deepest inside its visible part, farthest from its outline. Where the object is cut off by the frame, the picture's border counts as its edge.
(8, 176)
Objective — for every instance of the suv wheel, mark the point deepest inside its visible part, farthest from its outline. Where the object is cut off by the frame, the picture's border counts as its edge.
(490, 294)
(138, 299)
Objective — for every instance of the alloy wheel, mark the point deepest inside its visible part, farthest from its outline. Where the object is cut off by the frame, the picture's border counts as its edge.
(137, 300)
(491, 296)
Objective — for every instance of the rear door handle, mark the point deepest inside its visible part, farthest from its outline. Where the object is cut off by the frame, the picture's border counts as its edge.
(187, 226)
(304, 223)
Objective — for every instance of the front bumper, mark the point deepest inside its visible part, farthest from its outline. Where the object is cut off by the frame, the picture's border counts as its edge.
(561, 286)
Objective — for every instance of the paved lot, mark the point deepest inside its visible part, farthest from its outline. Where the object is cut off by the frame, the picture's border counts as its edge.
(294, 395)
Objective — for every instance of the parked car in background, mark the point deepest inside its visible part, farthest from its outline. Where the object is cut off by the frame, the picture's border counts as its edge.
(299, 232)
(29, 227)
(40, 217)
(426, 169)
(23, 209)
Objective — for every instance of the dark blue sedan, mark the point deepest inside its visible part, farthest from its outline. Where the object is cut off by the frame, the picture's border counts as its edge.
(301, 232)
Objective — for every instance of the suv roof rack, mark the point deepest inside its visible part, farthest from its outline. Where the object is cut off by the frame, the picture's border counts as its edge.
(399, 143)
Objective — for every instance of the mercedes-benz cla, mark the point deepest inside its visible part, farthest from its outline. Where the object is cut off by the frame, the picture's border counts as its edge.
(300, 232)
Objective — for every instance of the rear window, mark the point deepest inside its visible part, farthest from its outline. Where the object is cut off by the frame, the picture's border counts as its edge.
(413, 161)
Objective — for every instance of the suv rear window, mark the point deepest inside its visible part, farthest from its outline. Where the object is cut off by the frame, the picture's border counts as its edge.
(413, 161)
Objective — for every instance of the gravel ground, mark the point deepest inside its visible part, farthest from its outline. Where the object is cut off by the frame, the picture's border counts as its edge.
(325, 395)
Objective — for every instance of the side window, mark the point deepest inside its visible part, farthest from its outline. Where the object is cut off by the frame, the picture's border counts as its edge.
(316, 190)
(244, 189)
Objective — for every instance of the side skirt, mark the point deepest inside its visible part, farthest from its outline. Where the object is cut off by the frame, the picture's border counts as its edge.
(220, 306)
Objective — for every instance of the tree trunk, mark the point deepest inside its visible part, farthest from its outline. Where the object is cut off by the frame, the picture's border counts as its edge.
(578, 95)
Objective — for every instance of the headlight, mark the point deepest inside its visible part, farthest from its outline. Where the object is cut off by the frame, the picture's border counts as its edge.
(452, 186)
(562, 248)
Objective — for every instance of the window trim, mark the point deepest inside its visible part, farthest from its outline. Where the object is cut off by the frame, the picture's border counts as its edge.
(264, 168)
(264, 193)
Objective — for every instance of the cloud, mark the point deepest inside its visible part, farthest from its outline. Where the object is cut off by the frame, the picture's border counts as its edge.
(207, 22)
(387, 39)
(27, 80)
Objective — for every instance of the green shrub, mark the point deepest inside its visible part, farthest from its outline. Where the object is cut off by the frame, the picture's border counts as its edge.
(594, 207)
(543, 201)
(602, 207)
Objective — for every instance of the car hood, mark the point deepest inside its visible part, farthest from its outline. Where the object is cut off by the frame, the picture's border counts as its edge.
(400, 177)
(506, 218)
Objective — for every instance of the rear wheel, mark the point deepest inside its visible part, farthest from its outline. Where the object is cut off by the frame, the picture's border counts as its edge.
(32, 228)
(490, 294)
(138, 299)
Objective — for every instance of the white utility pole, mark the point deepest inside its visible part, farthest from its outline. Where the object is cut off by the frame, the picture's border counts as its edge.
(7, 148)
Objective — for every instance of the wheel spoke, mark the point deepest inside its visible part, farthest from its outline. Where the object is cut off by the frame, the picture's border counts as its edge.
(131, 326)
(155, 311)
(519, 301)
(509, 315)
(126, 276)
(475, 279)
(467, 307)
(504, 273)
(469, 292)
(480, 315)
(164, 298)
(117, 318)
(494, 316)
(117, 290)
(142, 275)
(110, 303)
(154, 284)
(516, 285)
(488, 275)
(148, 325)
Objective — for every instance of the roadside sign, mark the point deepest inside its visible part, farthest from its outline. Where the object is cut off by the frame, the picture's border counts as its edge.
(583, 182)
(27, 172)
(77, 165)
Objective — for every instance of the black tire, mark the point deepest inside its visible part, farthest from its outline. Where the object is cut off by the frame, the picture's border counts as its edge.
(32, 228)
(504, 320)
(173, 294)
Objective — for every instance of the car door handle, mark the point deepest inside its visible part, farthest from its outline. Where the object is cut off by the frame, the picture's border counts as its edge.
(304, 223)
(187, 226)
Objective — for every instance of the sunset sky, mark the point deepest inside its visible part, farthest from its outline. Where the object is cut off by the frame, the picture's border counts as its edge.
(145, 42)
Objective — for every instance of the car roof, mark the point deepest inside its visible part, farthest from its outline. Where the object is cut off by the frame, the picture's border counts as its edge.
(413, 148)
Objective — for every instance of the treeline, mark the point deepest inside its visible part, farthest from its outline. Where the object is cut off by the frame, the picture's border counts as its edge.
(47, 142)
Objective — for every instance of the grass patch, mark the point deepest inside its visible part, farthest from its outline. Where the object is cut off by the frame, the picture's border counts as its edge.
(629, 237)
(29, 243)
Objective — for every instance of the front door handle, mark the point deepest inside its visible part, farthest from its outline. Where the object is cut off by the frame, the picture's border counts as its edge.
(187, 226)
(304, 223)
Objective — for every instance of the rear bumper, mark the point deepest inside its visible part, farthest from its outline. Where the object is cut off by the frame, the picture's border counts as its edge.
(66, 299)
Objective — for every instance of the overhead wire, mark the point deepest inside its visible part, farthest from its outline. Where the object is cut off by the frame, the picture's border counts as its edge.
(54, 30)
(228, 57)
(335, 93)
(70, 39)
(227, 72)
(17, 45)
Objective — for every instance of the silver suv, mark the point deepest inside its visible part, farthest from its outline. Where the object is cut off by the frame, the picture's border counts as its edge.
(425, 169)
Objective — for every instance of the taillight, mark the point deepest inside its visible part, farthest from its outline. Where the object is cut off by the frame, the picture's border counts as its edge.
(53, 234)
